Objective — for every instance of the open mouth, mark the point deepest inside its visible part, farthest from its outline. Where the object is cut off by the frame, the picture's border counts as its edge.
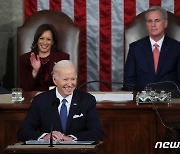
(44, 46)
(68, 89)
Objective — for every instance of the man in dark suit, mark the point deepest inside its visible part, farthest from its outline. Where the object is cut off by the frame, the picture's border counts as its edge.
(46, 111)
(140, 64)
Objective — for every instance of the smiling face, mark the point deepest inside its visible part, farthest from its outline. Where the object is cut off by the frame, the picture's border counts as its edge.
(45, 43)
(66, 80)
(155, 24)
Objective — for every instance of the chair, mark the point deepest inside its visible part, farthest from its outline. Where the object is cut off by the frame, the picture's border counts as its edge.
(137, 30)
(68, 33)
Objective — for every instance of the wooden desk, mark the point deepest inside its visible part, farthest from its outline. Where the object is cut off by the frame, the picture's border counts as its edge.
(63, 149)
(132, 128)
(129, 128)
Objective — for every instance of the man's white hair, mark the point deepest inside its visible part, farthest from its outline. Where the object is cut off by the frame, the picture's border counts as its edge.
(61, 64)
(157, 8)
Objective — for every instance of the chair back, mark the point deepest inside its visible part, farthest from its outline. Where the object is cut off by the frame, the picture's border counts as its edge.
(68, 33)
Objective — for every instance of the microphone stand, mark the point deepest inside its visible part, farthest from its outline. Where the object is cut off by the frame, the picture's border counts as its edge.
(51, 138)
(104, 82)
(55, 105)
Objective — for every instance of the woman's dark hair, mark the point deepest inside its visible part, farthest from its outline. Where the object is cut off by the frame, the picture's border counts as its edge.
(40, 30)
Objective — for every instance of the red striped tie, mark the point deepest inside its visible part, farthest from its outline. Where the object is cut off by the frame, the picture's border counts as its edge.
(156, 56)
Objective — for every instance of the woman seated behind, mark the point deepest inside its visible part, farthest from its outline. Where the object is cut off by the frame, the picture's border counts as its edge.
(36, 66)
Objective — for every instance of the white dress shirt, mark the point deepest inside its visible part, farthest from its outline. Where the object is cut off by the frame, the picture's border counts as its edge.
(68, 98)
(158, 42)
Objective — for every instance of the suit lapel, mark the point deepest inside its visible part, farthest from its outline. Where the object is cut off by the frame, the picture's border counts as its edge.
(54, 112)
(57, 120)
(149, 54)
(73, 109)
(163, 55)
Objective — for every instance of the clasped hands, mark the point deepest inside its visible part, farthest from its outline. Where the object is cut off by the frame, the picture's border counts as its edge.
(57, 136)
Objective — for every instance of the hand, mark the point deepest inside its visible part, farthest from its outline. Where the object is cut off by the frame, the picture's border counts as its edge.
(35, 63)
(57, 136)
(67, 138)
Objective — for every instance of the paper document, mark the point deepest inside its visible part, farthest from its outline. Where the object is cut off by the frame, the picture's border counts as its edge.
(33, 142)
(77, 142)
(113, 96)
(6, 99)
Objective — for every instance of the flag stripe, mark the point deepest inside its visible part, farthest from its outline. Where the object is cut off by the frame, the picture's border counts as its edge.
(168, 5)
(154, 3)
(80, 20)
(117, 42)
(142, 6)
(68, 8)
(55, 5)
(30, 7)
(43, 5)
(177, 7)
(93, 44)
(105, 43)
(129, 11)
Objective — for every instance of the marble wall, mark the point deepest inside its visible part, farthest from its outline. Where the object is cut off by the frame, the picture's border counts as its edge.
(11, 16)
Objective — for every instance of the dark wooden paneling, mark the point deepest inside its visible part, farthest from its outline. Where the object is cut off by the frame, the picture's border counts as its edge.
(9, 124)
(128, 131)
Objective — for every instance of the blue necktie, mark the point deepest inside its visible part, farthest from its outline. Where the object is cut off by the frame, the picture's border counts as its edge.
(63, 115)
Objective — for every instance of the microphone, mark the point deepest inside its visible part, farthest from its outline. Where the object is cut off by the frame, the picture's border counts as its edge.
(161, 85)
(170, 127)
(158, 92)
(105, 82)
(55, 105)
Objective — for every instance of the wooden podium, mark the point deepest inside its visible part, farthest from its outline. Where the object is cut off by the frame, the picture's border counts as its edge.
(129, 127)
(19, 148)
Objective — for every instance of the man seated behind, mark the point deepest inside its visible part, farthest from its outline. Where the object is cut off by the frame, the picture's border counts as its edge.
(143, 67)
(46, 111)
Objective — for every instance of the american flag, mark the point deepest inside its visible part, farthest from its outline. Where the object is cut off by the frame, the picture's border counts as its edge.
(102, 24)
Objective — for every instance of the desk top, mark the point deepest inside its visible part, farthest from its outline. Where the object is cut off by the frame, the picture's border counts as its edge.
(25, 104)
(19, 148)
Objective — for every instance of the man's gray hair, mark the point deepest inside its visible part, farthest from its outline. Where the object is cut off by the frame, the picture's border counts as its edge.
(61, 64)
(157, 8)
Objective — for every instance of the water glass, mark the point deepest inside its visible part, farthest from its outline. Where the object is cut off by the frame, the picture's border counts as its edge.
(16, 94)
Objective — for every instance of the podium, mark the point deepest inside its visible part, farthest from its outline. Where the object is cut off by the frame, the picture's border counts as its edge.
(20, 148)
(129, 127)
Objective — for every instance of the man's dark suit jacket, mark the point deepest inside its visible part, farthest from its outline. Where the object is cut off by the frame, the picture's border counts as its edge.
(42, 115)
(139, 67)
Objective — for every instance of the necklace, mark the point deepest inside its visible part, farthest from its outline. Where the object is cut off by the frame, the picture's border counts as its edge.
(44, 60)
